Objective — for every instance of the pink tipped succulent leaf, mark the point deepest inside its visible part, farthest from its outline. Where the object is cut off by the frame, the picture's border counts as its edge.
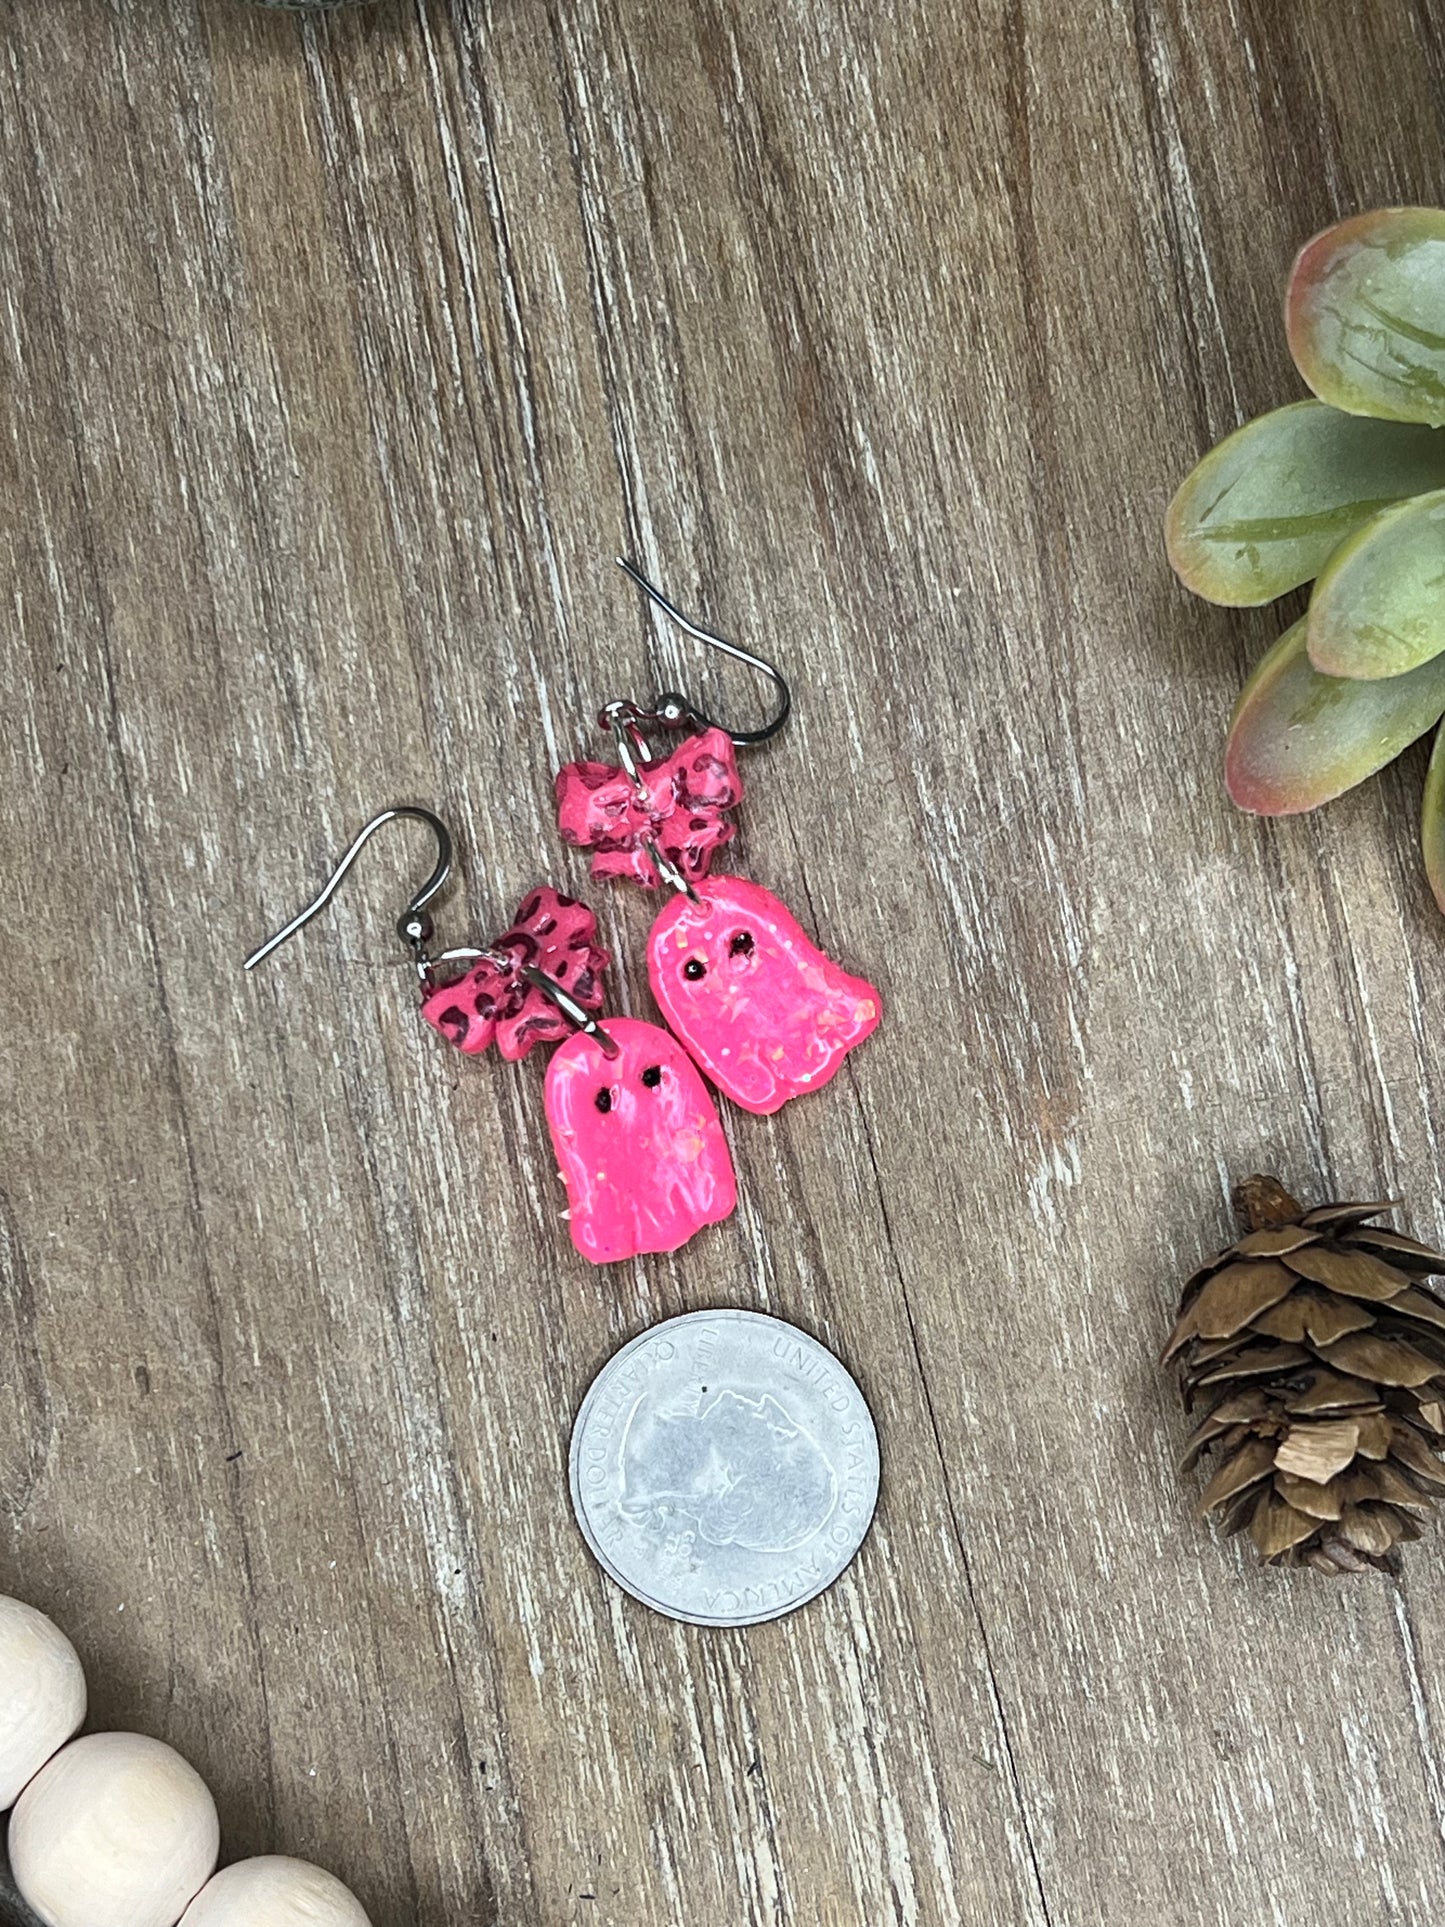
(494, 1002)
(1378, 608)
(1365, 314)
(1267, 507)
(1299, 738)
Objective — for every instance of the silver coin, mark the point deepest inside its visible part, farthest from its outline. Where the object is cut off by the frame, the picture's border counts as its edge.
(724, 1468)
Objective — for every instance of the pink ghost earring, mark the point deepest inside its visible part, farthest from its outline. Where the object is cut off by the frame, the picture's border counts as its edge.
(636, 1134)
(762, 1010)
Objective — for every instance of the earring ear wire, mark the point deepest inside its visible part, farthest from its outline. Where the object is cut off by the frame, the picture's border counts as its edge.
(678, 711)
(413, 926)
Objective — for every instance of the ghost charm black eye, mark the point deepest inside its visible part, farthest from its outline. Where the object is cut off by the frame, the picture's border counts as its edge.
(742, 944)
(652, 1076)
(694, 970)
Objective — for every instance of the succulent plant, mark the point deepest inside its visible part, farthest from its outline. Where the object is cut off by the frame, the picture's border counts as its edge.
(1346, 491)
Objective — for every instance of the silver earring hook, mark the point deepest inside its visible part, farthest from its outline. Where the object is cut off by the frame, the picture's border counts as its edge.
(675, 709)
(414, 926)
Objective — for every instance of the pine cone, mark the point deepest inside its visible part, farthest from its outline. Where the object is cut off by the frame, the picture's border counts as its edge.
(1320, 1359)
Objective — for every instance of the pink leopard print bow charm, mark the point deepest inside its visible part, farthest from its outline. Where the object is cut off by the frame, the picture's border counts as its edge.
(494, 1003)
(685, 813)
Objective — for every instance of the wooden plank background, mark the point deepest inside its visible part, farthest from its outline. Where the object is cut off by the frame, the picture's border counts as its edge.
(337, 361)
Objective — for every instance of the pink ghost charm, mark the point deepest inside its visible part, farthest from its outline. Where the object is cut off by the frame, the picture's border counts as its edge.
(685, 814)
(494, 1001)
(763, 1011)
(641, 1150)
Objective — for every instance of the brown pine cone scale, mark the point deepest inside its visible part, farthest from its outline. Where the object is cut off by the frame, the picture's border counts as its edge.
(1317, 1352)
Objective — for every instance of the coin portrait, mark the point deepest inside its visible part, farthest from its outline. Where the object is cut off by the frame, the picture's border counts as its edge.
(724, 1468)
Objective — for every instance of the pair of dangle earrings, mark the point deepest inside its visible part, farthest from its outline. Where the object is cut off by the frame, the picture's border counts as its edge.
(750, 1001)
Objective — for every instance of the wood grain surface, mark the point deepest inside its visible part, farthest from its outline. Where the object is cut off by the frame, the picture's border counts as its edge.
(337, 362)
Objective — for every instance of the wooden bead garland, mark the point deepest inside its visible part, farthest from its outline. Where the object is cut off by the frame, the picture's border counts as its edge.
(274, 1892)
(42, 1691)
(116, 1830)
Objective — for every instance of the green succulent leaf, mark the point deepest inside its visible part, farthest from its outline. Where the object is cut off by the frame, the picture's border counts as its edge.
(1432, 819)
(1299, 738)
(1378, 608)
(1365, 312)
(1266, 509)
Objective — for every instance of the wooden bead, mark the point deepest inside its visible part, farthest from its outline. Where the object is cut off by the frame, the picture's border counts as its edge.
(118, 1830)
(42, 1694)
(274, 1892)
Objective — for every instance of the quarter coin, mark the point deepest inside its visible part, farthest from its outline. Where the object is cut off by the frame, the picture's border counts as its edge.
(724, 1468)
